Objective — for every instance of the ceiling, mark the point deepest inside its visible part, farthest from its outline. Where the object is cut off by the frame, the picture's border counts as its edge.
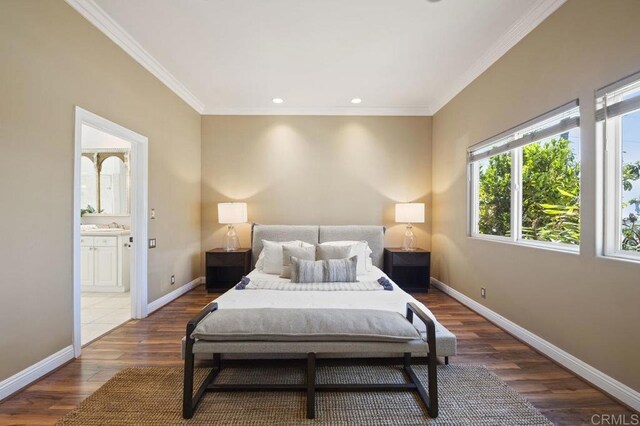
(401, 57)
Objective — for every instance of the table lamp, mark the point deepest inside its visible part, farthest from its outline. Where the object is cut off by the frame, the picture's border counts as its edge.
(230, 214)
(409, 213)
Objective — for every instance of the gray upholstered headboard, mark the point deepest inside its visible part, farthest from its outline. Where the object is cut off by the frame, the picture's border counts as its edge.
(314, 234)
(306, 233)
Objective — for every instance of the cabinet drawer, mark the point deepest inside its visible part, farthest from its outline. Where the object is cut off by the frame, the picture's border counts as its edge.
(410, 259)
(226, 259)
(105, 241)
(86, 241)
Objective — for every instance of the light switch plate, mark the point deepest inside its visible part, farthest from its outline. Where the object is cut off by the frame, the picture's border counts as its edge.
(152, 243)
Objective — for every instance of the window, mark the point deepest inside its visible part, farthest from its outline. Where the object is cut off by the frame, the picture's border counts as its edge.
(618, 121)
(525, 183)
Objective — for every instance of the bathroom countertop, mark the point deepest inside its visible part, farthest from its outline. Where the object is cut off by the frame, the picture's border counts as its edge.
(103, 232)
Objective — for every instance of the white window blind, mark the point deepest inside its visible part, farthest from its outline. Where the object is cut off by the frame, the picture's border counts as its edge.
(612, 101)
(554, 122)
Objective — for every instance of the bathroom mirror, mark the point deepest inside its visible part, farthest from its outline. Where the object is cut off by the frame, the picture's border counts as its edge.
(88, 184)
(105, 183)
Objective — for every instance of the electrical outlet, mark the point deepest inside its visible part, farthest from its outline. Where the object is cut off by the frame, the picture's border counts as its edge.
(152, 243)
(153, 213)
(173, 279)
(483, 292)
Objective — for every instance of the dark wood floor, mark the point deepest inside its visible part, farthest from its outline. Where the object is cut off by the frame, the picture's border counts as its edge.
(155, 342)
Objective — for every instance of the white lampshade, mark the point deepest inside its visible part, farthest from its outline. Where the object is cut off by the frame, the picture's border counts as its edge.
(230, 213)
(410, 213)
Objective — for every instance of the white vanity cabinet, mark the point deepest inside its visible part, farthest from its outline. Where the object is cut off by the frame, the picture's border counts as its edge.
(104, 261)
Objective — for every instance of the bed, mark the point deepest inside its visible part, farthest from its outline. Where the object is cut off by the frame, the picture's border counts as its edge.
(291, 297)
(266, 316)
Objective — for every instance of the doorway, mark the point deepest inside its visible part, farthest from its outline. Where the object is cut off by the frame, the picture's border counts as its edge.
(110, 227)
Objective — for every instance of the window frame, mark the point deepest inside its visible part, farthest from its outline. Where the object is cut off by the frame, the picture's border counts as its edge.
(609, 135)
(473, 183)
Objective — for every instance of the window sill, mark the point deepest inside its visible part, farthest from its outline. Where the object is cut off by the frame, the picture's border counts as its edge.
(561, 248)
(622, 257)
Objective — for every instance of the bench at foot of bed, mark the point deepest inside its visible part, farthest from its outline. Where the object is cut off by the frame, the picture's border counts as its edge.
(310, 332)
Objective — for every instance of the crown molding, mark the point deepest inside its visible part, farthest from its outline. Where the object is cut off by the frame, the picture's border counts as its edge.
(101, 20)
(538, 13)
(378, 111)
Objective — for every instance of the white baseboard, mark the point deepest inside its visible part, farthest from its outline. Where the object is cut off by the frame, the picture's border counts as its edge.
(169, 297)
(592, 375)
(32, 373)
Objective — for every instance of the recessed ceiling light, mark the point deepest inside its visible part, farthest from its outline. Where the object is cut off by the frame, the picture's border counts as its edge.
(356, 100)
(278, 100)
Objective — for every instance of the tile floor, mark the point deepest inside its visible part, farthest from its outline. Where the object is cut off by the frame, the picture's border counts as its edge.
(100, 312)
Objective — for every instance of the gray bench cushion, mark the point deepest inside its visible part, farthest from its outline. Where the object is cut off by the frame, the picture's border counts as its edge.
(276, 350)
(305, 325)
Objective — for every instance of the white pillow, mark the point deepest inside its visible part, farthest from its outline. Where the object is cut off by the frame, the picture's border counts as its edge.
(270, 259)
(360, 249)
(260, 260)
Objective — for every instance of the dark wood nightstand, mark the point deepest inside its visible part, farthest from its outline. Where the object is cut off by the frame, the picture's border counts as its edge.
(411, 270)
(226, 268)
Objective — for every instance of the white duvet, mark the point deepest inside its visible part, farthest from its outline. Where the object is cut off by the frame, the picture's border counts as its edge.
(395, 300)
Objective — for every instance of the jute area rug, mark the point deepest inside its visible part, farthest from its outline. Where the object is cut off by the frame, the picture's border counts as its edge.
(469, 395)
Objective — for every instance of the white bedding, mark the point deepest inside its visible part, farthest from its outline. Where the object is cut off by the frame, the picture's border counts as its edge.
(395, 300)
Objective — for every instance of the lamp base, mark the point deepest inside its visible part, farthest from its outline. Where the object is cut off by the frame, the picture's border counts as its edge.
(409, 240)
(231, 242)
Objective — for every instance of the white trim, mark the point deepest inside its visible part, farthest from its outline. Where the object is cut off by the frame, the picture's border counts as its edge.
(610, 141)
(101, 20)
(606, 383)
(369, 111)
(538, 13)
(545, 245)
(170, 297)
(32, 373)
(139, 221)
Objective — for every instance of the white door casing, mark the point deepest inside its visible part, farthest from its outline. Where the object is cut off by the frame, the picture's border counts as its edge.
(139, 224)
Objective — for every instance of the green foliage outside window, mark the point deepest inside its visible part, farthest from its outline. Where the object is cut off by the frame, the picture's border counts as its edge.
(630, 226)
(495, 196)
(550, 193)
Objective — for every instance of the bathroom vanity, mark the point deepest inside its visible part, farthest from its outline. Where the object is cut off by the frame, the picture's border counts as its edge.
(105, 260)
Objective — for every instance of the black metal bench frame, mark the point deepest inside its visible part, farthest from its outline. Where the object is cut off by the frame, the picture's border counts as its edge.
(190, 400)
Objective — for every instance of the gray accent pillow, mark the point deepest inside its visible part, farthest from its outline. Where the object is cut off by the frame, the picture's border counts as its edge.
(305, 325)
(306, 271)
(341, 270)
(324, 271)
(332, 252)
(304, 253)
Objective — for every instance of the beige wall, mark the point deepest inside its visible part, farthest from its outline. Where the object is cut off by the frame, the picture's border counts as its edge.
(52, 60)
(586, 305)
(315, 170)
